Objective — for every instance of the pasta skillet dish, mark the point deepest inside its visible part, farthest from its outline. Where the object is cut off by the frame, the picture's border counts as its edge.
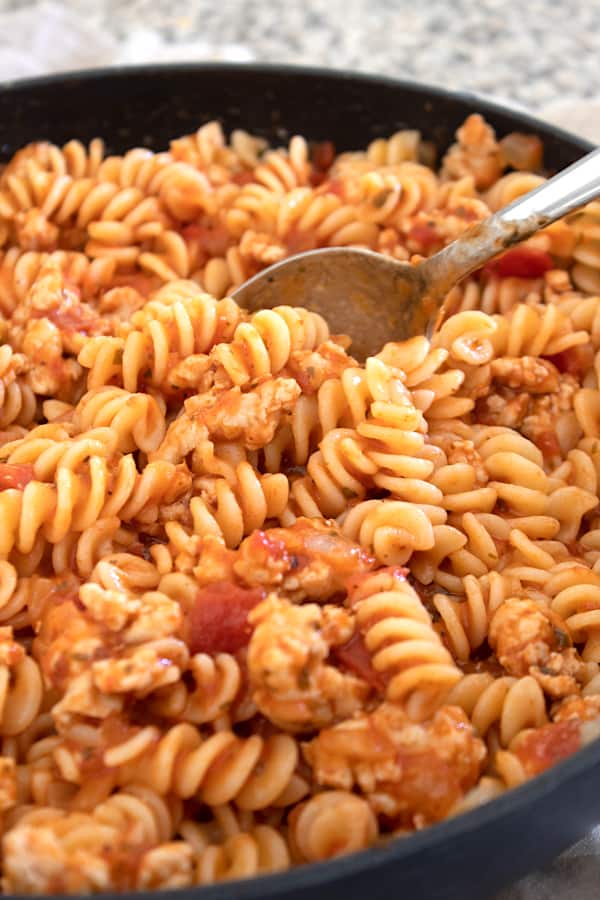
(260, 604)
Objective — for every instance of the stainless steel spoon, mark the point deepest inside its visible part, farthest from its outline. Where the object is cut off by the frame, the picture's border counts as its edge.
(375, 299)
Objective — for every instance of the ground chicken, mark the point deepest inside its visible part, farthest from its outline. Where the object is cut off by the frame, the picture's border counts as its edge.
(230, 415)
(88, 853)
(412, 774)
(33, 231)
(102, 642)
(308, 559)
(530, 395)
(576, 722)
(529, 639)
(530, 373)
(292, 684)
(310, 368)
(475, 153)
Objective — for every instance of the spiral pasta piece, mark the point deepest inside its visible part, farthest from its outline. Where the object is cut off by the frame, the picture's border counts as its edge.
(21, 688)
(263, 345)
(466, 621)
(218, 769)
(166, 335)
(137, 419)
(392, 529)
(585, 255)
(511, 704)
(19, 270)
(261, 603)
(398, 633)
(330, 824)
(17, 399)
(256, 852)
(231, 512)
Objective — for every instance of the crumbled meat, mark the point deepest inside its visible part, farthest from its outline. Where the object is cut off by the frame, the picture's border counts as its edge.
(476, 153)
(529, 395)
(230, 415)
(33, 231)
(308, 559)
(529, 639)
(412, 773)
(291, 682)
(109, 641)
(585, 708)
(529, 373)
(37, 863)
(310, 368)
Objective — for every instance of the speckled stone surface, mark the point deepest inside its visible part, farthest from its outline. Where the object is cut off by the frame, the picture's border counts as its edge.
(535, 52)
(540, 54)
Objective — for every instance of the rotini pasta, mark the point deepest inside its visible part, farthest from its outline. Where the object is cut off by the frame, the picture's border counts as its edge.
(260, 604)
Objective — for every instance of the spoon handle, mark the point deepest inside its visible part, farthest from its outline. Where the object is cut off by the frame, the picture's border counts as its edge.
(568, 191)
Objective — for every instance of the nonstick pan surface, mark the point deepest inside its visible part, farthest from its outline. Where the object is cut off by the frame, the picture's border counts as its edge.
(475, 855)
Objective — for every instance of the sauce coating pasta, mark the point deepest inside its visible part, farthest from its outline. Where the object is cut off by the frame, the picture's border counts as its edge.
(260, 604)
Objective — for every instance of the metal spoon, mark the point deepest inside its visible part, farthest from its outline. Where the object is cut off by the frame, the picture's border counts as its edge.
(375, 299)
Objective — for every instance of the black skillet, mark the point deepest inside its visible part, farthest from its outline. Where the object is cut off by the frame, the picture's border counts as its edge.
(476, 855)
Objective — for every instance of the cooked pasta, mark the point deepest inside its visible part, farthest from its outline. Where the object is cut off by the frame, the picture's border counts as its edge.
(261, 604)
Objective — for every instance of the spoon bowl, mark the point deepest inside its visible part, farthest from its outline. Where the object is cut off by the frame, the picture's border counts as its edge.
(351, 289)
(375, 299)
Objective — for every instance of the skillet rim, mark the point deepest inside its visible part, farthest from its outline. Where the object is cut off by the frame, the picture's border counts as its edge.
(148, 70)
(314, 876)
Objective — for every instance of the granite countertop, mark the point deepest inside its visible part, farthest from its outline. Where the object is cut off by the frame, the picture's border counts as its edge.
(538, 54)
(541, 54)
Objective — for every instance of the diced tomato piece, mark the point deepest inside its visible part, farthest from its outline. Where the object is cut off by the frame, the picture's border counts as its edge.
(214, 239)
(355, 657)
(139, 281)
(298, 241)
(546, 746)
(322, 158)
(243, 178)
(323, 155)
(218, 621)
(424, 234)
(15, 476)
(548, 444)
(575, 360)
(520, 262)
(329, 185)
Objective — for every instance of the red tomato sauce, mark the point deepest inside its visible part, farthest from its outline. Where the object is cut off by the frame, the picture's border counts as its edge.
(575, 360)
(15, 476)
(76, 317)
(355, 657)
(322, 158)
(548, 745)
(218, 621)
(425, 235)
(215, 240)
(520, 262)
(548, 444)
